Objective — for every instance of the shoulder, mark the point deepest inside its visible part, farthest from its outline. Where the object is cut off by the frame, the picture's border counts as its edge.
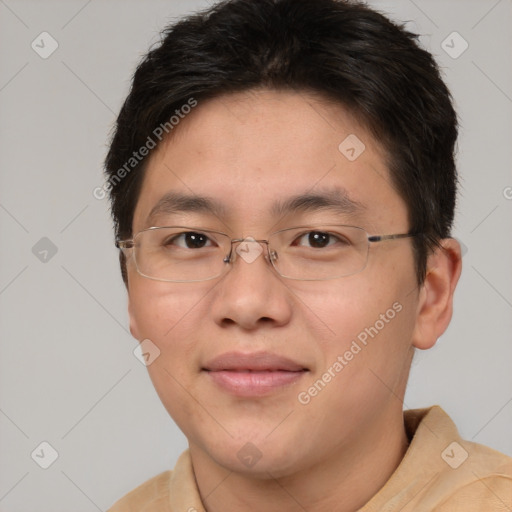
(170, 490)
(442, 472)
(482, 483)
(486, 493)
(463, 476)
(151, 496)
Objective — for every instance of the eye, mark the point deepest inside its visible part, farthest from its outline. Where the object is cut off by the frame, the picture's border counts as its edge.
(320, 239)
(188, 240)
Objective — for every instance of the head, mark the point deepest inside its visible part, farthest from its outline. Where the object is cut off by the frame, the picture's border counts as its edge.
(247, 106)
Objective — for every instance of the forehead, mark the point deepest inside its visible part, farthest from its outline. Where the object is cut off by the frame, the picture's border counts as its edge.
(250, 154)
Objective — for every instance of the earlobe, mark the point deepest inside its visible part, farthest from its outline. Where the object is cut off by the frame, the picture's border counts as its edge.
(435, 304)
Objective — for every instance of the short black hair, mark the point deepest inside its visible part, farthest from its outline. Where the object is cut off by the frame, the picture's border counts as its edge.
(341, 50)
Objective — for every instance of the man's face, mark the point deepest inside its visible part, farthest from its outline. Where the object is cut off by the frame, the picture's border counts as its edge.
(248, 152)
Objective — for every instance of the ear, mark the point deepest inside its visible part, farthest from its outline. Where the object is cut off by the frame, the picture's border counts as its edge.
(123, 262)
(134, 329)
(435, 304)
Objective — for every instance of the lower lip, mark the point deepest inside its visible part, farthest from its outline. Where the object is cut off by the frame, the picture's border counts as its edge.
(254, 383)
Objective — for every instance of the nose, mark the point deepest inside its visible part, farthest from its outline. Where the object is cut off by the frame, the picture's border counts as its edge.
(251, 294)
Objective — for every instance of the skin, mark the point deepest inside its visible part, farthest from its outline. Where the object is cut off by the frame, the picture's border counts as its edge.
(334, 453)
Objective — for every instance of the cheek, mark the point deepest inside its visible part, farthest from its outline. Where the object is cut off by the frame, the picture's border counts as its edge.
(166, 313)
(370, 327)
(345, 307)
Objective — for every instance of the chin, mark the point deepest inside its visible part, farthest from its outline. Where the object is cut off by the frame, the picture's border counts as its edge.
(257, 458)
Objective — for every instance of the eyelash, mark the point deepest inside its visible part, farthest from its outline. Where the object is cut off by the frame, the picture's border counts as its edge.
(332, 236)
(175, 237)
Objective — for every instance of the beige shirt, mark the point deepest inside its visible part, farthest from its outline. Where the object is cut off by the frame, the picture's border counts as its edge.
(439, 472)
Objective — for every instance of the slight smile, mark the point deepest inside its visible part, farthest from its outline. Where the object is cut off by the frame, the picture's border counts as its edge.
(252, 375)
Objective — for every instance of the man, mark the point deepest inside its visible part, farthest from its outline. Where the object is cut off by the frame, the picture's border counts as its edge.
(283, 188)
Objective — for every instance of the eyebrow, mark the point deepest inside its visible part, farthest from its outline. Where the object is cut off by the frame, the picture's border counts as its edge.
(336, 200)
(174, 202)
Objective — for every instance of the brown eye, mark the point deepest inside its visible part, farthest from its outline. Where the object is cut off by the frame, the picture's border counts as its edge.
(188, 240)
(320, 239)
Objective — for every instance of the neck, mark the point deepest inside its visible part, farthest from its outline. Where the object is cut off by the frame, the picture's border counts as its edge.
(344, 482)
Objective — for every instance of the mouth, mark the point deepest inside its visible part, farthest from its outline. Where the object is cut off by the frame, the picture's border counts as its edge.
(256, 374)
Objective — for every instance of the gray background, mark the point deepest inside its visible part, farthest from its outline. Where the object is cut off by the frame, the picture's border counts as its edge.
(67, 372)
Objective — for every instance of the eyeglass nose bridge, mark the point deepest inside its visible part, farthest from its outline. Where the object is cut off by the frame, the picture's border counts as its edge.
(247, 254)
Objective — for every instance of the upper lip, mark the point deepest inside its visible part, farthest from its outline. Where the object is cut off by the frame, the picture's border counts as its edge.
(258, 361)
